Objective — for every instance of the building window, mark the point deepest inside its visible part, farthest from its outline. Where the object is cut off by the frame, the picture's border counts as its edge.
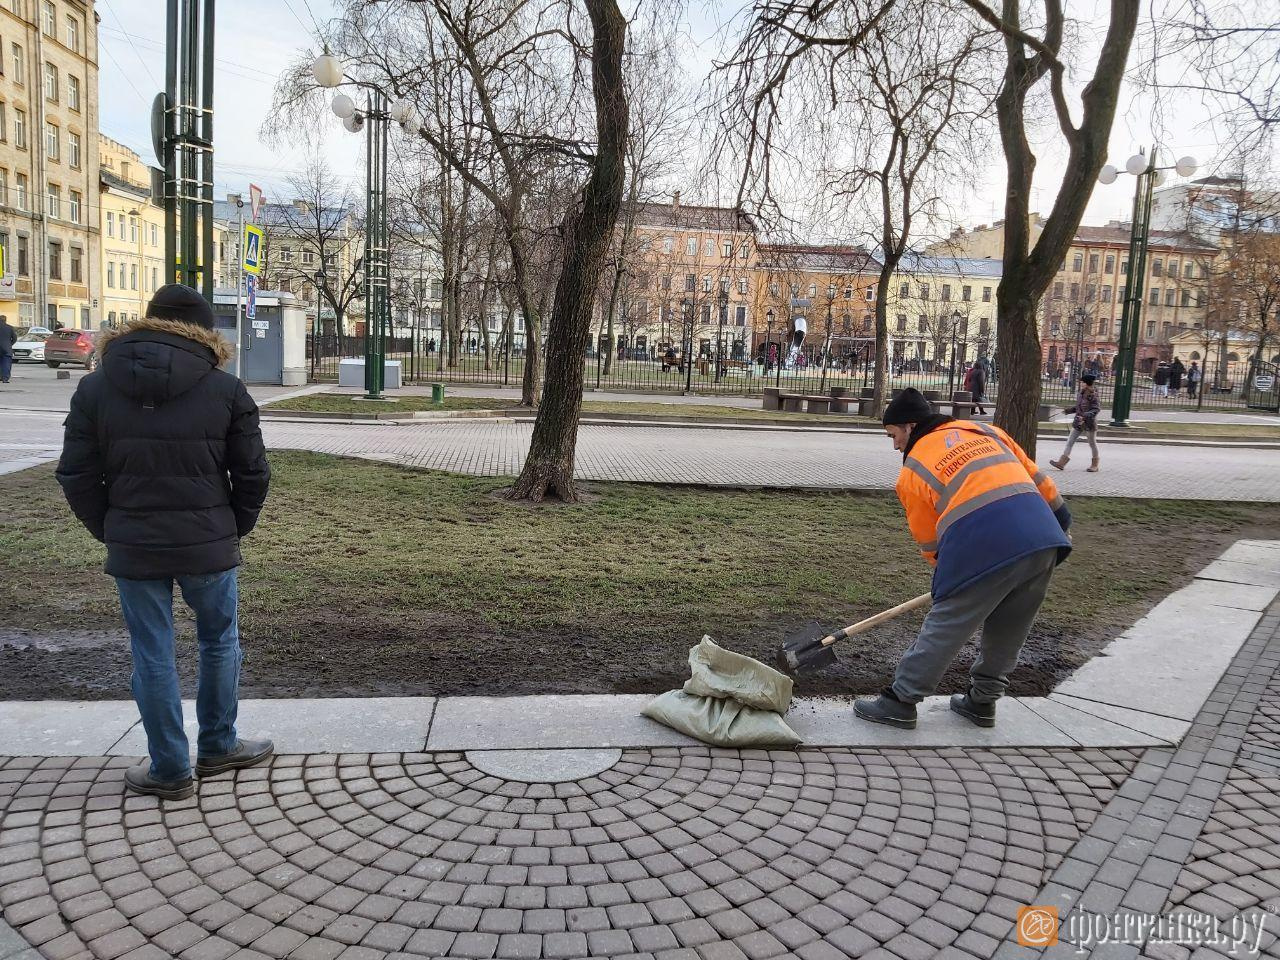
(55, 260)
(984, 327)
(73, 34)
(966, 293)
(727, 249)
(923, 324)
(1104, 328)
(706, 284)
(1124, 290)
(773, 288)
(20, 188)
(308, 257)
(50, 19)
(1111, 263)
(1186, 297)
(742, 285)
(1077, 263)
(54, 207)
(1166, 329)
(708, 247)
(1186, 270)
(111, 224)
(1154, 298)
(740, 317)
(51, 141)
(1058, 289)
(51, 82)
(690, 283)
(154, 284)
(691, 246)
(19, 129)
(77, 275)
(4, 126)
(871, 293)
(667, 243)
(848, 293)
(153, 234)
(1151, 329)
(73, 93)
(924, 291)
(1075, 293)
(111, 275)
(986, 294)
(1169, 296)
(902, 323)
(24, 258)
(946, 293)
(813, 291)
(904, 290)
(133, 276)
(1157, 267)
(73, 202)
(19, 65)
(743, 251)
(1093, 263)
(1124, 268)
(1090, 293)
(73, 150)
(1173, 268)
(4, 187)
(286, 255)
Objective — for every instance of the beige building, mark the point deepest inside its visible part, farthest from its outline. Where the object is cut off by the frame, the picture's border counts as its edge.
(49, 163)
(693, 270)
(1081, 311)
(942, 310)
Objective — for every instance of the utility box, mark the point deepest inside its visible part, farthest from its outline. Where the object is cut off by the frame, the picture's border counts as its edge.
(273, 343)
(351, 373)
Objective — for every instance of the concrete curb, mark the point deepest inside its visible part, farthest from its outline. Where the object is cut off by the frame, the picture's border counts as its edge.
(1143, 690)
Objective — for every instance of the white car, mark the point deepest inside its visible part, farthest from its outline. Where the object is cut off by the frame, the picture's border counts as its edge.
(30, 347)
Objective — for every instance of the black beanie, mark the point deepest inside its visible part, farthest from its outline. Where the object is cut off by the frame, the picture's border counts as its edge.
(174, 301)
(910, 406)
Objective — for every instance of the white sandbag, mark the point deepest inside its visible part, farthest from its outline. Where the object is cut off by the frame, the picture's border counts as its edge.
(725, 723)
(717, 672)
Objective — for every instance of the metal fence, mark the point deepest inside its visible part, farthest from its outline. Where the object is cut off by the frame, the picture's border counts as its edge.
(649, 371)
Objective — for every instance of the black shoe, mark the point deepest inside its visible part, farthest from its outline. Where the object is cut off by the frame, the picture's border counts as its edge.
(983, 714)
(139, 780)
(887, 709)
(246, 754)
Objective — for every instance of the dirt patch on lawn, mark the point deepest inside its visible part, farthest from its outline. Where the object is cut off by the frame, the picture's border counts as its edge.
(365, 579)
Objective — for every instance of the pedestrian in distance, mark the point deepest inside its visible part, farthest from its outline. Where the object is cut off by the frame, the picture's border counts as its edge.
(1176, 373)
(1161, 379)
(163, 462)
(1193, 379)
(975, 382)
(8, 337)
(994, 528)
(1084, 423)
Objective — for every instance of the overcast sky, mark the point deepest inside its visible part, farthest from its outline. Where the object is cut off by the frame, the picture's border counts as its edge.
(256, 38)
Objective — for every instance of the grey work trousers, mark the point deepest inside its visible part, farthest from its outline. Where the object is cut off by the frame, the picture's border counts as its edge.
(1004, 604)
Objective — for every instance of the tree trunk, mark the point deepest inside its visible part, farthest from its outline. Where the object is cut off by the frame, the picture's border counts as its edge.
(588, 228)
(613, 307)
(1018, 359)
(880, 379)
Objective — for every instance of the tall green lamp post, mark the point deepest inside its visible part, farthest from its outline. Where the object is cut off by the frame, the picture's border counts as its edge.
(1148, 177)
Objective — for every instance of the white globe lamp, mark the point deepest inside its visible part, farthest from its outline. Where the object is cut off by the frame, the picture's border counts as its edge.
(401, 111)
(344, 106)
(1137, 164)
(1108, 174)
(354, 123)
(327, 70)
(1187, 166)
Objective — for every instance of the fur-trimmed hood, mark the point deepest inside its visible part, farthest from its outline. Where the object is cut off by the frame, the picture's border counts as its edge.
(223, 351)
(153, 360)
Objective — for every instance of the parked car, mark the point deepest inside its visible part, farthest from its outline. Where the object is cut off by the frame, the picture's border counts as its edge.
(32, 331)
(30, 346)
(71, 346)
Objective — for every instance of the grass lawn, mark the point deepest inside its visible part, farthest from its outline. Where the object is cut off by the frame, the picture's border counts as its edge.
(1203, 431)
(365, 578)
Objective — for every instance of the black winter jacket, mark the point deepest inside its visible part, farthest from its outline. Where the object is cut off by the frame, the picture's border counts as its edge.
(162, 458)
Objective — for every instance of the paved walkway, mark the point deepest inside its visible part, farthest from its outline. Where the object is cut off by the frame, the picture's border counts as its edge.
(674, 853)
(761, 458)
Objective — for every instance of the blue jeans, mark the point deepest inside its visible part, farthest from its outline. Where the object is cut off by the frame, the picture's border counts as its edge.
(148, 611)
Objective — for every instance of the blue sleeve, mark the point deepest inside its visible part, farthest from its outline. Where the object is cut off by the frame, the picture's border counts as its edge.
(1063, 513)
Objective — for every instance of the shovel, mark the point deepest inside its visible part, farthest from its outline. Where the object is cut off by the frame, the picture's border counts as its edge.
(803, 654)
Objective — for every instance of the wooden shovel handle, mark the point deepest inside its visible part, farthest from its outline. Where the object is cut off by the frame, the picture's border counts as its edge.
(862, 626)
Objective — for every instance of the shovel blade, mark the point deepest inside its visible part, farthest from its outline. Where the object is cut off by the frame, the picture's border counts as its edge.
(802, 650)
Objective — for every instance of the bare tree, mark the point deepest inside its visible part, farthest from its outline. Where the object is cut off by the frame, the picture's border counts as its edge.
(318, 229)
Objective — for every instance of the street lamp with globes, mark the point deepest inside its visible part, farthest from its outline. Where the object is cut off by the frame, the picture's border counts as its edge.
(1149, 176)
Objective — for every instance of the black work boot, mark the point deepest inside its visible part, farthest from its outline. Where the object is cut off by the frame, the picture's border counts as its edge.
(246, 754)
(887, 708)
(983, 714)
(139, 780)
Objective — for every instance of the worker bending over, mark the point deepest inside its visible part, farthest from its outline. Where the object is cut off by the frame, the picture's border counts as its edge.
(994, 528)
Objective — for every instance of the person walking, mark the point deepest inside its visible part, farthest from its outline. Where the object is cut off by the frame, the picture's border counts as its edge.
(994, 528)
(1161, 379)
(1176, 373)
(8, 337)
(975, 382)
(1193, 379)
(1088, 406)
(163, 462)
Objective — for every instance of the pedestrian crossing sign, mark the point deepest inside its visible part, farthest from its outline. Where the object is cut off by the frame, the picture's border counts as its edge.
(252, 249)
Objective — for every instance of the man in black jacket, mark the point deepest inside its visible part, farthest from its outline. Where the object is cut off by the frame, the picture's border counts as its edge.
(163, 462)
(8, 337)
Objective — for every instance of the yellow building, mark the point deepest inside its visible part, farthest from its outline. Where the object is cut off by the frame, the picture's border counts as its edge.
(942, 308)
(49, 162)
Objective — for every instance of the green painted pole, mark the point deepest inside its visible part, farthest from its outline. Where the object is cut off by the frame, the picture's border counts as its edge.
(1131, 318)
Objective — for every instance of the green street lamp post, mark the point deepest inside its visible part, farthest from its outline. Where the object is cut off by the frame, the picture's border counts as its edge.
(1148, 177)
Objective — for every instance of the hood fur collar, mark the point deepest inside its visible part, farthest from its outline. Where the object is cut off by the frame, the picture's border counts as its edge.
(222, 350)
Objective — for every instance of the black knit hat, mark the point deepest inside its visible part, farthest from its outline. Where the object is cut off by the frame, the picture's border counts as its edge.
(1089, 378)
(910, 406)
(174, 301)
